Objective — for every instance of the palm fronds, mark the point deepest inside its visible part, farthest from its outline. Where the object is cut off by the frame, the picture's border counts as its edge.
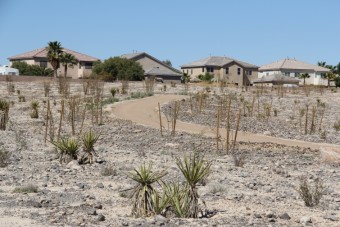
(68, 147)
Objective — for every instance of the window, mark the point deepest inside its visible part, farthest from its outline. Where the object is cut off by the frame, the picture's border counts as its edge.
(238, 71)
(227, 70)
(43, 64)
(287, 73)
(88, 65)
(210, 69)
(203, 69)
(297, 74)
(249, 72)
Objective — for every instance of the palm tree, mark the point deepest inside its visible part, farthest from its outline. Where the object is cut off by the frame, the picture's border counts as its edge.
(67, 60)
(54, 51)
(304, 76)
(331, 75)
(322, 63)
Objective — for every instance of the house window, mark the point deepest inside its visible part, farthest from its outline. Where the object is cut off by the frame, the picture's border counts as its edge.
(297, 74)
(88, 65)
(227, 70)
(43, 64)
(203, 69)
(249, 72)
(287, 73)
(210, 69)
(238, 71)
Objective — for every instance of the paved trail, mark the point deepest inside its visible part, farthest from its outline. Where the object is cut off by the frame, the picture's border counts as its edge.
(145, 112)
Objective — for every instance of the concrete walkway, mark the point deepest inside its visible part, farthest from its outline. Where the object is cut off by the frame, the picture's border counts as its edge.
(145, 112)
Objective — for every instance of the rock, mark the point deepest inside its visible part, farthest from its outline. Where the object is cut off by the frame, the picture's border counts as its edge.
(98, 206)
(285, 216)
(331, 217)
(74, 165)
(100, 185)
(270, 214)
(160, 218)
(125, 223)
(257, 216)
(92, 212)
(101, 217)
(267, 133)
(305, 220)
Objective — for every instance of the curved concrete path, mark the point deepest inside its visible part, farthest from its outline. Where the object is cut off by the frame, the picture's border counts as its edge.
(145, 112)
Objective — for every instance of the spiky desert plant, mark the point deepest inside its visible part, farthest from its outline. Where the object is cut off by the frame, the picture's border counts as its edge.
(195, 169)
(35, 109)
(68, 149)
(160, 202)
(178, 199)
(89, 139)
(142, 193)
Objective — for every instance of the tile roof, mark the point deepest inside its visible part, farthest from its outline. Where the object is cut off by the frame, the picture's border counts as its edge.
(42, 53)
(134, 56)
(161, 72)
(217, 61)
(292, 64)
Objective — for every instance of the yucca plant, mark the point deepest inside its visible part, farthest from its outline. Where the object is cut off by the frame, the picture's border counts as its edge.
(89, 139)
(142, 193)
(178, 199)
(35, 109)
(68, 149)
(195, 169)
(160, 202)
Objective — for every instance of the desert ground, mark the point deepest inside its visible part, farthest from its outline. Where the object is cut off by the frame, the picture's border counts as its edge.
(279, 139)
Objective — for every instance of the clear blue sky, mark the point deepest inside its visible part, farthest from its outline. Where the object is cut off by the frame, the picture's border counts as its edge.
(255, 31)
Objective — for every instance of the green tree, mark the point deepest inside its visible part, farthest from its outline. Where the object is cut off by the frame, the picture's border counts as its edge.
(119, 68)
(167, 62)
(21, 66)
(67, 60)
(54, 52)
(304, 76)
(331, 75)
(31, 70)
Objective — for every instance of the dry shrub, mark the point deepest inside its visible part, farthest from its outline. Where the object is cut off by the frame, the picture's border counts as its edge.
(4, 158)
(311, 195)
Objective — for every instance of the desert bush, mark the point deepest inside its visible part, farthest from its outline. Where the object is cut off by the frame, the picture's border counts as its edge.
(139, 95)
(239, 159)
(311, 195)
(178, 199)
(21, 98)
(110, 101)
(4, 113)
(336, 125)
(113, 92)
(217, 189)
(89, 139)
(35, 109)
(4, 158)
(68, 149)
(142, 193)
(26, 189)
(195, 169)
(108, 171)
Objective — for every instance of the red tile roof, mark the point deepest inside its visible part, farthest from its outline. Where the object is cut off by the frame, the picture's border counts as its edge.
(42, 53)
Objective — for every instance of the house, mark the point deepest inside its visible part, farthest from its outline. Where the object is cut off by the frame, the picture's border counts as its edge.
(223, 68)
(6, 70)
(294, 68)
(39, 57)
(154, 67)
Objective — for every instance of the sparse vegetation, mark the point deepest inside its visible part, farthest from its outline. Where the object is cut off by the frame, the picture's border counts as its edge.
(311, 195)
(35, 109)
(68, 149)
(26, 189)
(4, 158)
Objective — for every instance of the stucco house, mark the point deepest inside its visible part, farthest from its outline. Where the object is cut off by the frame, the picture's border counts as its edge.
(39, 57)
(293, 68)
(223, 68)
(154, 67)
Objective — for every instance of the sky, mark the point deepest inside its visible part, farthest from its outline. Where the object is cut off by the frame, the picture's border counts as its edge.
(255, 31)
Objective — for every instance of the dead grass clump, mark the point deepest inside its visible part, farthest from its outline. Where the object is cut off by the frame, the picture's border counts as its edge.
(26, 189)
(4, 113)
(35, 109)
(109, 171)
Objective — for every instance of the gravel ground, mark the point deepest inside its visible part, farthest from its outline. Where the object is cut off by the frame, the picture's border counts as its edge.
(262, 193)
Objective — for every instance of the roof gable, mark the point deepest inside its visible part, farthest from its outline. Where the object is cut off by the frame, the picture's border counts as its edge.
(137, 56)
(42, 53)
(217, 61)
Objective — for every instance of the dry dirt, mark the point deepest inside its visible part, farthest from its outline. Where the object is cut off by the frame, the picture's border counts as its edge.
(262, 193)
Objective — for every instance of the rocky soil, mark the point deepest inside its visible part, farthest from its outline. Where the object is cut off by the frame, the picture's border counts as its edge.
(261, 193)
